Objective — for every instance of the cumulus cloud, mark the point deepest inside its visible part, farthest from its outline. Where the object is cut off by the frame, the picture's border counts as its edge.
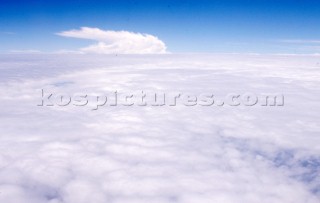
(122, 42)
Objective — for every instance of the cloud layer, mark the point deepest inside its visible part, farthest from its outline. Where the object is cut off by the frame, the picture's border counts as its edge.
(117, 42)
(159, 154)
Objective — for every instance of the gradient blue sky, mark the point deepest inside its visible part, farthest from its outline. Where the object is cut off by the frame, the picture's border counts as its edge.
(261, 26)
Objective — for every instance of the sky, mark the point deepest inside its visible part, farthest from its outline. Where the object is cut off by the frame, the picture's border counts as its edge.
(216, 26)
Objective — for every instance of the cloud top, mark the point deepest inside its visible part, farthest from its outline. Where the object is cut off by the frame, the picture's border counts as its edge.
(117, 42)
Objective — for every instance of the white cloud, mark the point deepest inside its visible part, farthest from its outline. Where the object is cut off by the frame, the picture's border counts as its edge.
(117, 42)
(159, 154)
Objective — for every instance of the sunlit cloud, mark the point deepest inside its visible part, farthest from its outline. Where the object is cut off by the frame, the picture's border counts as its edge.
(117, 42)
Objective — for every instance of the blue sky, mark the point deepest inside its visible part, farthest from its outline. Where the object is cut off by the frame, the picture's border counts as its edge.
(243, 26)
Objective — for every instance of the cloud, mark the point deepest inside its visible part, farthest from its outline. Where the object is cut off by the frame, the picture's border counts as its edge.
(300, 41)
(121, 42)
(66, 51)
(159, 154)
(7, 33)
(26, 51)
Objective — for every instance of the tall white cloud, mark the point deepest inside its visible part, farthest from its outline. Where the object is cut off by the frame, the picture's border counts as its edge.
(113, 42)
